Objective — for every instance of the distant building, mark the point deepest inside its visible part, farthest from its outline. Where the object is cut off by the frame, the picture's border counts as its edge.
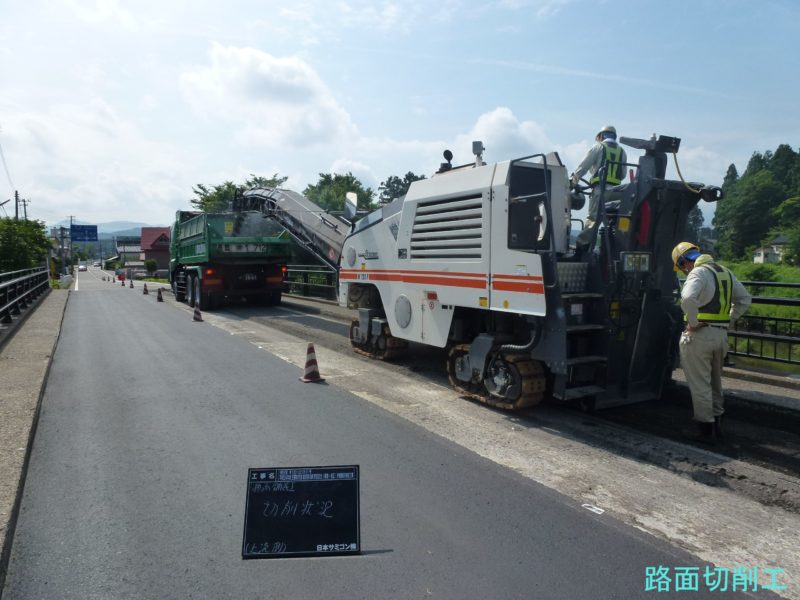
(773, 253)
(155, 245)
(129, 249)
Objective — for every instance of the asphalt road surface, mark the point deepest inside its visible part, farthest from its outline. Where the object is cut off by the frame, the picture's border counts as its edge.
(137, 480)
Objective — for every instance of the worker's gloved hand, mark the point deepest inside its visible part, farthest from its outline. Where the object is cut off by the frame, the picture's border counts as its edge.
(686, 337)
(574, 180)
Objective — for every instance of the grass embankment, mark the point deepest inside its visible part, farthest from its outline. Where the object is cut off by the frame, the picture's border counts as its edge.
(746, 271)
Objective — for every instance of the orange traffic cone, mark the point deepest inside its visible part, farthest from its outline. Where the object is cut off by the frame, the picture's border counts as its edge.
(197, 316)
(158, 296)
(131, 283)
(144, 291)
(311, 374)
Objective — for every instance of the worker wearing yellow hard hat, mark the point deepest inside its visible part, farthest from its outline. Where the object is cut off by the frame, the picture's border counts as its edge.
(711, 298)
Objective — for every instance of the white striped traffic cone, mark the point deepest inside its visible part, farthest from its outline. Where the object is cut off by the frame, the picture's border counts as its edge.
(144, 291)
(311, 374)
(131, 283)
(197, 316)
(158, 296)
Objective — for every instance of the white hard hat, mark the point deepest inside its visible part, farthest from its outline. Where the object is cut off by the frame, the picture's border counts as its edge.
(607, 129)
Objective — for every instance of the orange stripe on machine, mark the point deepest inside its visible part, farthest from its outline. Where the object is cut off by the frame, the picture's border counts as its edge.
(443, 278)
(528, 284)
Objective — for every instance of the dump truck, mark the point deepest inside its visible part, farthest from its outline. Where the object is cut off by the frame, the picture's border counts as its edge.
(217, 258)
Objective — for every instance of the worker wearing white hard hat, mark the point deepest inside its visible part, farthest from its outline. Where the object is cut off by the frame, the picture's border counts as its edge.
(605, 152)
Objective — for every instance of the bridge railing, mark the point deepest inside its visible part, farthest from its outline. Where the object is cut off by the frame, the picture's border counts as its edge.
(18, 289)
(310, 280)
(774, 339)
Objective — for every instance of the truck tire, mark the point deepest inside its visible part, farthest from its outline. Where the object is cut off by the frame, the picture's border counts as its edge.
(190, 300)
(180, 297)
(200, 299)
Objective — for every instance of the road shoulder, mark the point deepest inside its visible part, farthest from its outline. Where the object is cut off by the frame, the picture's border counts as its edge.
(24, 363)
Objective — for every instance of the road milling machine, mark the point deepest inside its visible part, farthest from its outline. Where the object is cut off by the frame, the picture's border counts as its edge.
(478, 259)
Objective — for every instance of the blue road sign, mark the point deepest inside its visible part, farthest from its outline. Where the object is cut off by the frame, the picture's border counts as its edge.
(83, 233)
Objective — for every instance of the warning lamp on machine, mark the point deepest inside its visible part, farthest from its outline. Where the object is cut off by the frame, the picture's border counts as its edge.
(284, 270)
(209, 272)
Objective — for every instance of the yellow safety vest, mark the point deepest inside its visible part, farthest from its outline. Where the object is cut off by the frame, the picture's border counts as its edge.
(613, 156)
(718, 310)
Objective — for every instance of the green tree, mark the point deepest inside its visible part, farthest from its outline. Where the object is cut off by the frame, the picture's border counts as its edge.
(787, 215)
(329, 192)
(215, 198)
(693, 225)
(745, 217)
(151, 266)
(394, 187)
(23, 244)
(218, 197)
(758, 162)
(257, 181)
(731, 177)
(783, 163)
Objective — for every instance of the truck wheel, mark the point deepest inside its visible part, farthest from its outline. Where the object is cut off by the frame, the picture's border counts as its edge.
(178, 296)
(200, 299)
(190, 291)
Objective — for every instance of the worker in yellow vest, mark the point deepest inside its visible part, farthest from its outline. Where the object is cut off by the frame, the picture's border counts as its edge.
(606, 152)
(711, 298)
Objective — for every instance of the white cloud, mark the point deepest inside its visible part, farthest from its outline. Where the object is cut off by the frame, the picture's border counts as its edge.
(84, 160)
(273, 100)
(505, 136)
(384, 16)
(102, 12)
(362, 172)
(699, 164)
(539, 8)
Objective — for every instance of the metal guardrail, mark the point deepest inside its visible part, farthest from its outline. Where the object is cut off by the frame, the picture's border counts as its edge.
(774, 339)
(311, 280)
(19, 289)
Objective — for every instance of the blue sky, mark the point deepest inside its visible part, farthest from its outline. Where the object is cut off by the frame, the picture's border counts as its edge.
(113, 110)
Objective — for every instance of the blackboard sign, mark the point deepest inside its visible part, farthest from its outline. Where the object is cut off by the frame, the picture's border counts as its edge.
(302, 511)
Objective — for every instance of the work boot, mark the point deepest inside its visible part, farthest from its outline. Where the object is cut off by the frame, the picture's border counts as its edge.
(718, 426)
(701, 432)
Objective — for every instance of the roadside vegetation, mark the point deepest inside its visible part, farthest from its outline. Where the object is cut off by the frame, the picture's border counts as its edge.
(23, 244)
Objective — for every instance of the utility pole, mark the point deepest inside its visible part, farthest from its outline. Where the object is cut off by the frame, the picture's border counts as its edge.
(70, 239)
(25, 207)
(16, 205)
(61, 250)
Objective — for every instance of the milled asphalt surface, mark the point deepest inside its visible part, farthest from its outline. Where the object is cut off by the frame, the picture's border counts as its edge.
(24, 364)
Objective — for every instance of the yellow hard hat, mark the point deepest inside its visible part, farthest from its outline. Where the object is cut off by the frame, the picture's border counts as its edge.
(607, 129)
(684, 251)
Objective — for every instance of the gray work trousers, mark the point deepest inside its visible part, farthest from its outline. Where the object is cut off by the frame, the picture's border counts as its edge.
(702, 354)
(586, 234)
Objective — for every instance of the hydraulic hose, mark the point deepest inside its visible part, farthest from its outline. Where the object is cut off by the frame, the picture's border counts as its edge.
(535, 338)
(677, 168)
